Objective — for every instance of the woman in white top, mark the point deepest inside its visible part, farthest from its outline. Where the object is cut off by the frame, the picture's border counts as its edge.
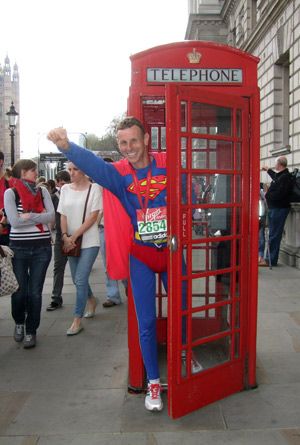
(71, 207)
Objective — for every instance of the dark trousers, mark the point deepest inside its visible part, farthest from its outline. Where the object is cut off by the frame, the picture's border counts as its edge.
(261, 241)
(30, 265)
(4, 240)
(276, 218)
(60, 262)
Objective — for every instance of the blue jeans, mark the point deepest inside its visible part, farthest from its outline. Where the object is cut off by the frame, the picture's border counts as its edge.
(261, 241)
(80, 270)
(112, 286)
(277, 219)
(30, 266)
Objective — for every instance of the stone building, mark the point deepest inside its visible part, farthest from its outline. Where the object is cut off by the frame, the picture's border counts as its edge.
(9, 91)
(269, 29)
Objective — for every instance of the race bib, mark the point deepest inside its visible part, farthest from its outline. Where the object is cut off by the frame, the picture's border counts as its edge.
(152, 227)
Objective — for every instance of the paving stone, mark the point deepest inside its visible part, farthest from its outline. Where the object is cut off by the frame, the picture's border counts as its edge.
(11, 403)
(135, 418)
(267, 407)
(69, 411)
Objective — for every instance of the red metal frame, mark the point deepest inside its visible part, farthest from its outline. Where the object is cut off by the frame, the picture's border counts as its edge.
(159, 106)
(191, 388)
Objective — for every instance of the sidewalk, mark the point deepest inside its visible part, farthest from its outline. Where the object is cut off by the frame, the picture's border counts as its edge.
(73, 390)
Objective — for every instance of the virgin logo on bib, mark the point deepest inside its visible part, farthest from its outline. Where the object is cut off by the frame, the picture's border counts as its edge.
(152, 225)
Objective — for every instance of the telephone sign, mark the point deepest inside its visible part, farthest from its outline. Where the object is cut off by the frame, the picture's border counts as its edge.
(208, 75)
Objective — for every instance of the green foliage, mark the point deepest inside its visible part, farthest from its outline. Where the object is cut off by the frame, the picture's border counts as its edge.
(92, 141)
(108, 141)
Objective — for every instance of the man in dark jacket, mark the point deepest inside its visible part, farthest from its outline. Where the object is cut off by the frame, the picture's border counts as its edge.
(278, 200)
(60, 260)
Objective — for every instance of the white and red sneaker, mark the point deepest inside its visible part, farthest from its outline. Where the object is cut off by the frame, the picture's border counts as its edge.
(153, 400)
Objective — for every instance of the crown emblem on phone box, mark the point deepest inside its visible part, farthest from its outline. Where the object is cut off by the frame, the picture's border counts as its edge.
(194, 56)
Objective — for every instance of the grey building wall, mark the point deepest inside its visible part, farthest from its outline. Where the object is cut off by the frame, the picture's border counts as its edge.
(269, 29)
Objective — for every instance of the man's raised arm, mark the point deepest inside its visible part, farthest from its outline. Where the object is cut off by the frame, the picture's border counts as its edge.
(101, 172)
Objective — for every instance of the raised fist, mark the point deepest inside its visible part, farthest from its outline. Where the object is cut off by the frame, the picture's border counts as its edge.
(59, 137)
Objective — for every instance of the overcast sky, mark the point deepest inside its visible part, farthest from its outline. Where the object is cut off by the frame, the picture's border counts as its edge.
(73, 58)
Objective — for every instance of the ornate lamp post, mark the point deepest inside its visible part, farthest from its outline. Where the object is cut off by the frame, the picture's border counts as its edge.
(12, 122)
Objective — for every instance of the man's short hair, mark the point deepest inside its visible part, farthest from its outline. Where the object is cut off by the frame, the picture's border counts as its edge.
(1, 156)
(282, 160)
(63, 175)
(129, 122)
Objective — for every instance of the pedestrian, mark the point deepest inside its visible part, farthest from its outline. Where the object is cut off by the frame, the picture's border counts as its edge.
(51, 186)
(81, 194)
(4, 184)
(139, 181)
(29, 210)
(278, 201)
(60, 260)
(40, 180)
(262, 226)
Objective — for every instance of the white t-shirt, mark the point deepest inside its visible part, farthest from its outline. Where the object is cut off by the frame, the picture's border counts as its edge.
(71, 204)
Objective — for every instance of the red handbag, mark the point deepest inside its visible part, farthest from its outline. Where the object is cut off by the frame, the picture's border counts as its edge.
(76, 250)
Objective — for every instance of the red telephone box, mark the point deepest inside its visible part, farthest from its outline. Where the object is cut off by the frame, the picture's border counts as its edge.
(199, 101)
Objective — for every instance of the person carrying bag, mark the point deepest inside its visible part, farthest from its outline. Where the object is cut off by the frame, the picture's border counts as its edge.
(75, 251)
(80, 197)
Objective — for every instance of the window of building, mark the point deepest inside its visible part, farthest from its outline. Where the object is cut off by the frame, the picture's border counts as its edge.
(261, 7)
(253, 13)
(232, 32)
(282, 97)
(240, 27)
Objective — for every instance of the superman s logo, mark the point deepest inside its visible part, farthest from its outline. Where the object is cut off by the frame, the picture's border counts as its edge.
(158, 184)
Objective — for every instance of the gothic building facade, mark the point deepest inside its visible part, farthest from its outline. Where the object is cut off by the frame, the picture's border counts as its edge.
(269, 29)
(9, 92)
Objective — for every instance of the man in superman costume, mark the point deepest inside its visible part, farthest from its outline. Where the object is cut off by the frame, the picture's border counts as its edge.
(139, 183)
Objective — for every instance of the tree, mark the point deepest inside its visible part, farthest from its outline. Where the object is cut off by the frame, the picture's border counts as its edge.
(112, 128)
(92, 141)
(108, 142)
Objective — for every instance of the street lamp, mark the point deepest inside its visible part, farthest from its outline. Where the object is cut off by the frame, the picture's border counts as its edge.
(12, 122)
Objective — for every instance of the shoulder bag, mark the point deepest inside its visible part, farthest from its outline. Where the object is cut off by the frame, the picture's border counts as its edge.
(8, 281)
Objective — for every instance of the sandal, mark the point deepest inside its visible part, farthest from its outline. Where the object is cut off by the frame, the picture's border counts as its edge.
(109, 303)
(90, 313)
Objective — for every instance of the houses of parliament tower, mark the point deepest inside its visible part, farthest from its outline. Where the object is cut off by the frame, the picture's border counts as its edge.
(9, 92)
